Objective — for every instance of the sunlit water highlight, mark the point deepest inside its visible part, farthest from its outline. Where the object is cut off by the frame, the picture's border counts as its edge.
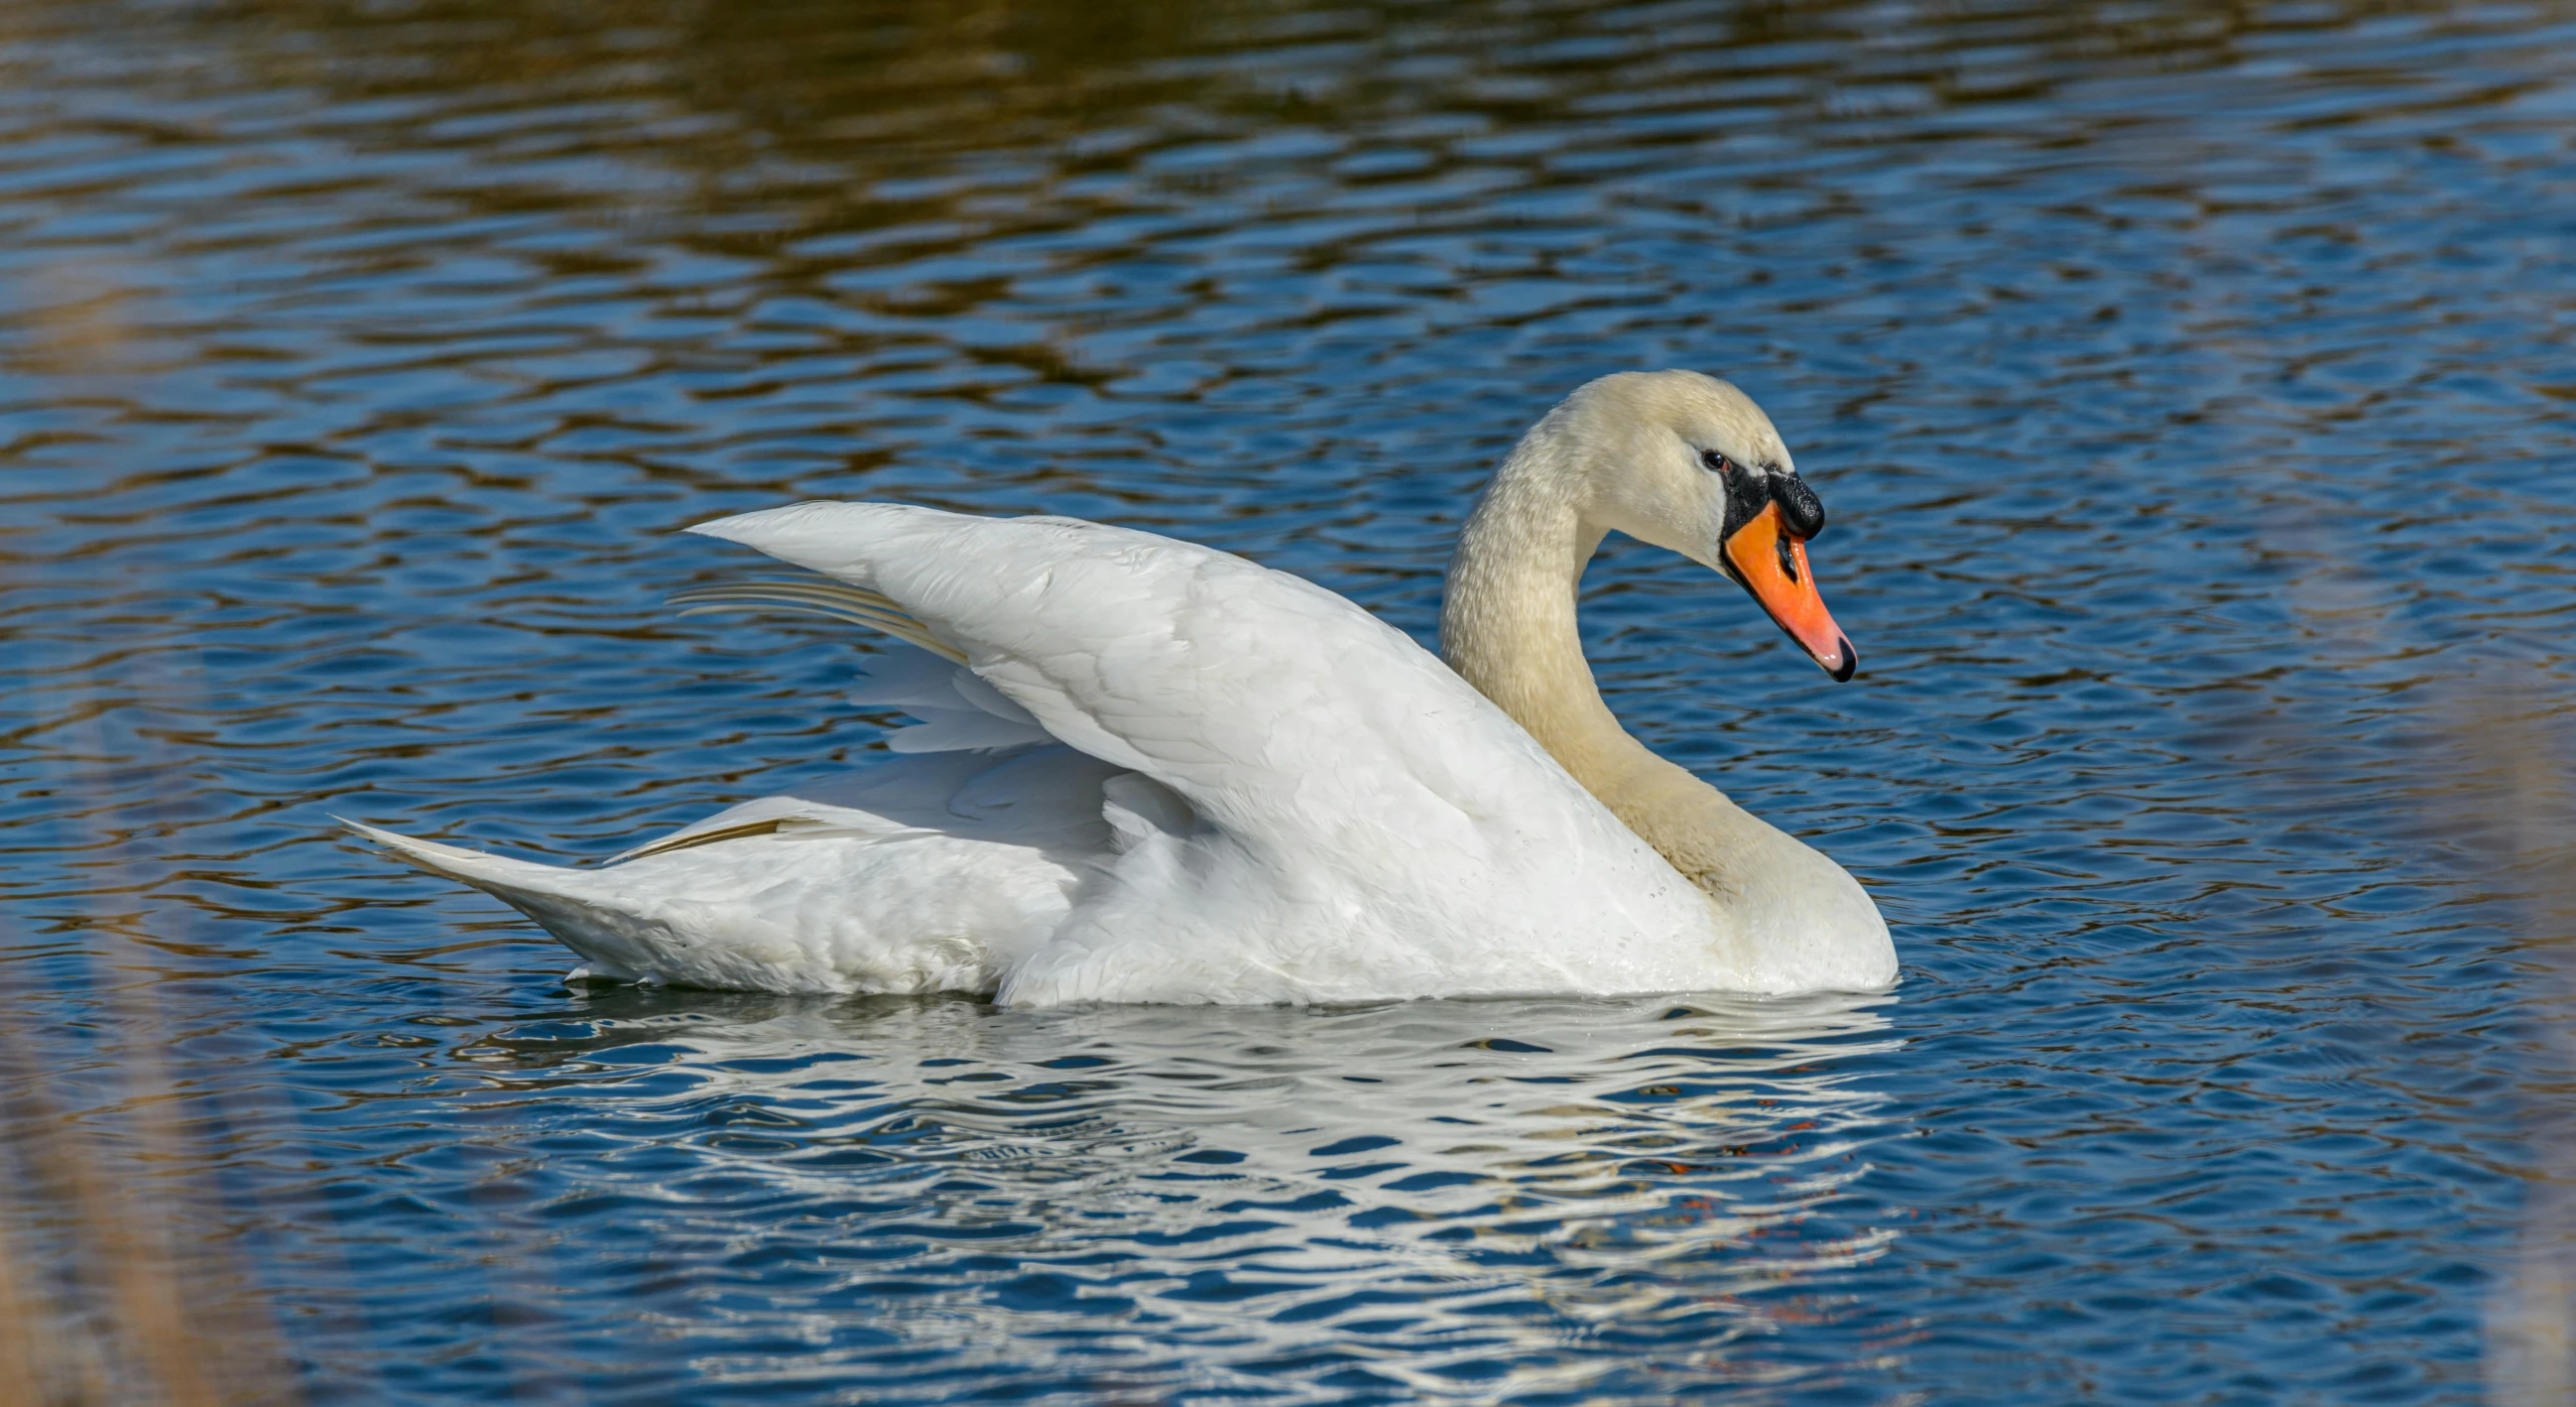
(2188, 384)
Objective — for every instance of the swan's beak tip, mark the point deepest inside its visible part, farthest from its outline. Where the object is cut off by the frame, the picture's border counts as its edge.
(1846, 660)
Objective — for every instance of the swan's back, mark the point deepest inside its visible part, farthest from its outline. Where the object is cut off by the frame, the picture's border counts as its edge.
(1319, 809)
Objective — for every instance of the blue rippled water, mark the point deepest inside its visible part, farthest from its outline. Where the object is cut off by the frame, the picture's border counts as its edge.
(2190, 386)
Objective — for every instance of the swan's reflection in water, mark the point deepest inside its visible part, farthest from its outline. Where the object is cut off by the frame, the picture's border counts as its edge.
(1473, 1197)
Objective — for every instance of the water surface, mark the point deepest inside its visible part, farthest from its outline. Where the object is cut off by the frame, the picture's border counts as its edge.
(2188, 384)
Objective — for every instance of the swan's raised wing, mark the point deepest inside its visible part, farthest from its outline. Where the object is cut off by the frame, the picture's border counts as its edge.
(1246, 691)
(1350, 793)
(929, 681)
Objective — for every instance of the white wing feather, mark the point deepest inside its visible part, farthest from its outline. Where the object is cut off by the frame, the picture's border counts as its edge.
(1363, 823)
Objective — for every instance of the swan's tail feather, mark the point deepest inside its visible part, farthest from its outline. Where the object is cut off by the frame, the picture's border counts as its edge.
(691, 837)
(831, 599)
(567, 903)
(489, 872)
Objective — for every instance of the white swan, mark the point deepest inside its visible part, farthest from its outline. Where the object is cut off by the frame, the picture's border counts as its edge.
(1149, 771)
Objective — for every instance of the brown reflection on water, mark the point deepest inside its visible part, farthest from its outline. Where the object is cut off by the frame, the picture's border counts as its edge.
(849, 118)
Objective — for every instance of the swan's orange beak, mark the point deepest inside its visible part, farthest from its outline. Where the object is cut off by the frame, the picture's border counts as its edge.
(1771, 562)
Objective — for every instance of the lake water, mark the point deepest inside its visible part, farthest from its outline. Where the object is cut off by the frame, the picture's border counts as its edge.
(2190, 385)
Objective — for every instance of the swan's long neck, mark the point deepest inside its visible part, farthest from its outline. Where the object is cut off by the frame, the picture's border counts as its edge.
(1507, 627)
(1507, 617)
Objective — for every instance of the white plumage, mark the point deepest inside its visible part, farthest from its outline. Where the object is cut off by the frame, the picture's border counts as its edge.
(1159, 773)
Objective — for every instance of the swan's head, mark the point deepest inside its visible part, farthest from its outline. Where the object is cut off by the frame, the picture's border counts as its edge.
(1688, 462)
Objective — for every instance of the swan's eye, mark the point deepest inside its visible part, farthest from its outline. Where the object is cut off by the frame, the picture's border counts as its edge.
(1717, 462)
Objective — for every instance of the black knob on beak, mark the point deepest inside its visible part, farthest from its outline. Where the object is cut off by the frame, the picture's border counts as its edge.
(1798, 504)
